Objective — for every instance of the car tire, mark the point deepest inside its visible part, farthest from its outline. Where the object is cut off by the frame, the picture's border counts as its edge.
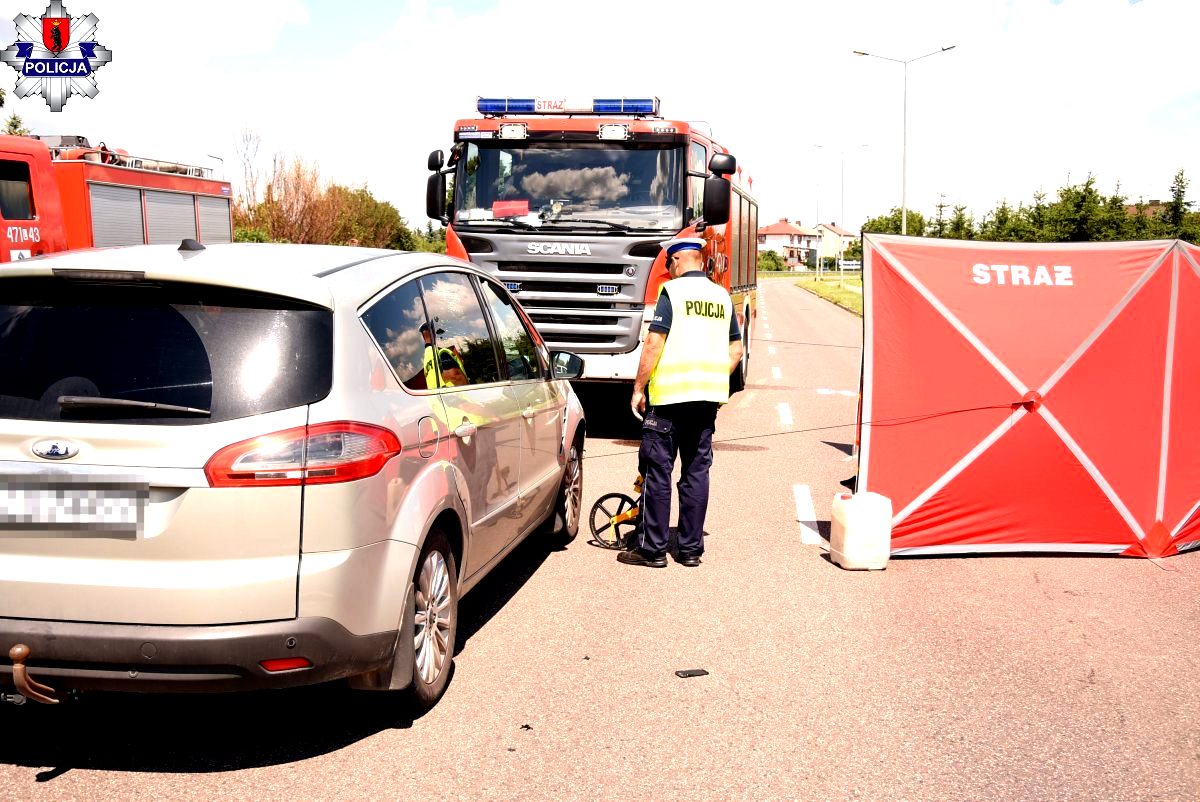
(564, 523)
(435, 624)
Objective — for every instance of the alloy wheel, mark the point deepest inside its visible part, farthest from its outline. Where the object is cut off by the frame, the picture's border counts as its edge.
(433, 618)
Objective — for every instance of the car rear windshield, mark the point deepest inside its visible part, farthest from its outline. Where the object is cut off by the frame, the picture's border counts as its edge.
(216, 353)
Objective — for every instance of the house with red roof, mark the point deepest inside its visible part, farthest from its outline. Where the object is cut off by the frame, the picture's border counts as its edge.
(834, 240)
(790, 240)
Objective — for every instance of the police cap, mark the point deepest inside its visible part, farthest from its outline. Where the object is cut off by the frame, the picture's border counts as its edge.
(674, 246)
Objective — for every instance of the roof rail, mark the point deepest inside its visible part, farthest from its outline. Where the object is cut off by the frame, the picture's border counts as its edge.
(115, 157)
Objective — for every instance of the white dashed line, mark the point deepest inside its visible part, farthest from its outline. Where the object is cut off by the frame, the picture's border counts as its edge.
(770, 349)
(807, 516)
(785, 414)
(827, 391)
(775, 374)
(768, 335)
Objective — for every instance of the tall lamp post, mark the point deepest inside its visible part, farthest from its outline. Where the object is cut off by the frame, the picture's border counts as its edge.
(904, 155)
(842, 155)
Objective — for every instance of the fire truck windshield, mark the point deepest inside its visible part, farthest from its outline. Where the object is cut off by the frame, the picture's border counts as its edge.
(569, 185)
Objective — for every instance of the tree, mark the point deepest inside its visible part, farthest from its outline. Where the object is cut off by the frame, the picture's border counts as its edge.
(890, 223)
(961, 225)
(937, 227)
(1001, 224)
(291, 202)
(1079, 213)
(241, 234)
(854, 251)
(771, 260)
(15, 126)
(363, 220)
(1177, 208)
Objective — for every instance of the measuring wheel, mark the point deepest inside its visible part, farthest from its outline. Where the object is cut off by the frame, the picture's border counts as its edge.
(613, 520)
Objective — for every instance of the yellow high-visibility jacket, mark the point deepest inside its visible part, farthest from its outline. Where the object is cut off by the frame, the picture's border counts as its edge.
(694, 364)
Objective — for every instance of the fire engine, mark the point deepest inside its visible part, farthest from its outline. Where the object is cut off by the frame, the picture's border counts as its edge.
(567, 202)
(60, 192)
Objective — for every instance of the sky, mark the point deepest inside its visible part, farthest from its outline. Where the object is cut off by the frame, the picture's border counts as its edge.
(1036, 94)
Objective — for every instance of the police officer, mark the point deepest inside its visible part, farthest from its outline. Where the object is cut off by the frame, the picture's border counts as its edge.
(694, 343)
(449, 371)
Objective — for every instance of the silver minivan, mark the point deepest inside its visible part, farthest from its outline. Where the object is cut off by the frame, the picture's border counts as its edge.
(249, 466)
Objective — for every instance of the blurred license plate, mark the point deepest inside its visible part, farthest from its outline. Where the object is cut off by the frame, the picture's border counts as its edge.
(79, 505)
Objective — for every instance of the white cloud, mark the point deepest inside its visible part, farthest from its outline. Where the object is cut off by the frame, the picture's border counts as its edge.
(1031, 92)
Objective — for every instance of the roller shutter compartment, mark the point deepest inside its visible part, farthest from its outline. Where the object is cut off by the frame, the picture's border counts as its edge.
(116, 216)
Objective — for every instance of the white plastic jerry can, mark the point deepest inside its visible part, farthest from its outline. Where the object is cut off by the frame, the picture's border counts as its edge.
(861, 538)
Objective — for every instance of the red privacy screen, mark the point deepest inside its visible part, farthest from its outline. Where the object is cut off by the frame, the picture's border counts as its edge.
(1032, 397)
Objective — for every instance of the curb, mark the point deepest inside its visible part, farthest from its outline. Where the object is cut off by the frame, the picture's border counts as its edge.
(851, 310)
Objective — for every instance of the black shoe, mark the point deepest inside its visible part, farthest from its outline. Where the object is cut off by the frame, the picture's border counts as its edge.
(635, 557)
(690, 560)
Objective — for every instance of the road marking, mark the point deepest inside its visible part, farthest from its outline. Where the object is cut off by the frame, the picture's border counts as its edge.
(775, 374)
(807, 516)
(827, 391)
(770, 349)
(785, 414)
(768, 335)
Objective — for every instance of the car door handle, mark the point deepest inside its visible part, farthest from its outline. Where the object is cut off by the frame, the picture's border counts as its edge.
(466, 430)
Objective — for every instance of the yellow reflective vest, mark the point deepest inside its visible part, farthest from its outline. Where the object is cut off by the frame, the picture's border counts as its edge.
(433, 378)
(694, 364)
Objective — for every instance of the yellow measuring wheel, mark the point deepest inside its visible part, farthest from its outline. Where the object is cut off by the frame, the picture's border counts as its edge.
(614, 518)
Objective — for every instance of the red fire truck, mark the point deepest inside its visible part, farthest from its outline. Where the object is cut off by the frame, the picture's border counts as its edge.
(567, 201)
(60, 192)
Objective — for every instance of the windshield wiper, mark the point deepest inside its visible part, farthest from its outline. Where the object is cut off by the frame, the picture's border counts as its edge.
(504, 221)
(85, 401)
(572, 220)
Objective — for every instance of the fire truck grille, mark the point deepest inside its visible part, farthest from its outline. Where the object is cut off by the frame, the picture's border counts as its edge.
(573, 287)
(583, 268)
(550, 318)
(584, 339)
(589, 307)
(563, 303)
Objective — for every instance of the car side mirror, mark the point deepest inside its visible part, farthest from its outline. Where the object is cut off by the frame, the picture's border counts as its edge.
(435, 197)
(565, 365)
(716, 200)
(436, 160)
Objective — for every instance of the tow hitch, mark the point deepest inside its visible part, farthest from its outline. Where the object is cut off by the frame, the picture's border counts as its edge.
(27, 686)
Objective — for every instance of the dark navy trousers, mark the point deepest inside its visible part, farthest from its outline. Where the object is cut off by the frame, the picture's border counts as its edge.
(683, 430)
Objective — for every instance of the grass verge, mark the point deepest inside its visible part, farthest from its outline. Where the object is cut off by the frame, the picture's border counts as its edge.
(830, 291)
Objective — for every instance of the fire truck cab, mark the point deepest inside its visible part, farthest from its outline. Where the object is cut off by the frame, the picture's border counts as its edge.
(60, 192)
(567, 202)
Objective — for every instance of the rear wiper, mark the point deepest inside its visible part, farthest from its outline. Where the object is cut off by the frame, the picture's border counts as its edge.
(85, 401)
(571, 220)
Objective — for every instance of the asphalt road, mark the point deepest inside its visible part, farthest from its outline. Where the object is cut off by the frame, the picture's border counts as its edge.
(998, 678)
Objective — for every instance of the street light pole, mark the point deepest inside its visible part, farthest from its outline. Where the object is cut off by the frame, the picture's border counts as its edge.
(842, 156)
(222, 161)
(904, 151)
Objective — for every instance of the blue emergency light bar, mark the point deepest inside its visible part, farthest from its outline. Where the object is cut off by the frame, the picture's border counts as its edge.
(625, 105)
(529, 105)
(506, 105)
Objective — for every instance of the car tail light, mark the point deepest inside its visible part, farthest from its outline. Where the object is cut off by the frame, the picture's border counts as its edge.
(285, 664)
(322, 454)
